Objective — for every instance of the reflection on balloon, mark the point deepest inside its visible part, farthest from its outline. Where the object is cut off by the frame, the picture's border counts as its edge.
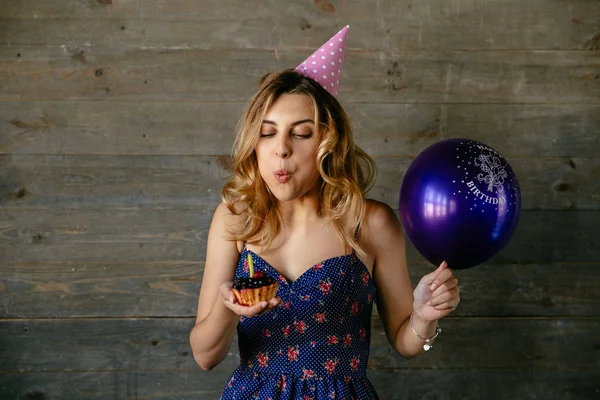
(460, 202)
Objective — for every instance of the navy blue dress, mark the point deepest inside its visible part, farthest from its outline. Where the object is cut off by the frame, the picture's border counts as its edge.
(315, 345)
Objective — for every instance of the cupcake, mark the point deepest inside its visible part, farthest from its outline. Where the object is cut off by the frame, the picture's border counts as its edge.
(258, 287)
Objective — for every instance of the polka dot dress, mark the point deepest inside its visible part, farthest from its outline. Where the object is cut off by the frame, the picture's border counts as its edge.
(315, 345)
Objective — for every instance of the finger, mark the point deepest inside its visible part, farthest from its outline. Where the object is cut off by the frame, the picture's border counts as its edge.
(265, 307)
(237, 298)
(445, 287)
(247, 311)
(269, 309)
(445, 297)
(227, 291)
(429, 278)
(271, 305)
(268, 306)
(236, 308)
(450, 305)
(275, 302)
(443, 277)
(258, 307)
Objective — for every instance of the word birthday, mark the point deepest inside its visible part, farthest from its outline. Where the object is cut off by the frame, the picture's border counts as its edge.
(488, 199)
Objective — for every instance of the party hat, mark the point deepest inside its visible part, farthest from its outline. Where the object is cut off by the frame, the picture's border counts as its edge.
(325, 65)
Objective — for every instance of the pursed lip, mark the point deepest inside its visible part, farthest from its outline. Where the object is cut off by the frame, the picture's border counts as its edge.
(282, 175)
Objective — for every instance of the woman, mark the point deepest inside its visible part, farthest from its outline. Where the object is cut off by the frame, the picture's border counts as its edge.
(296, 203)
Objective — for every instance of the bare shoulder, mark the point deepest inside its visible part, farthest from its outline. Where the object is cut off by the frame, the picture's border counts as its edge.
(222, 248)
(382, 225)
(380, 216)
(226, 222)
(222, 254)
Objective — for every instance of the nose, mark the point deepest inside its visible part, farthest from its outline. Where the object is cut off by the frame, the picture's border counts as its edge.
(283, 149)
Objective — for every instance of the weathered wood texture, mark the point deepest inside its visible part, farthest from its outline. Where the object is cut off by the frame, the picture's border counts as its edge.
(401, 76)
(189, 182)
(405, 384)
(116, 121)
(108, 344)
(378, 25)
(206, 128)
(123, 358)
(138, 235)
(42, 290)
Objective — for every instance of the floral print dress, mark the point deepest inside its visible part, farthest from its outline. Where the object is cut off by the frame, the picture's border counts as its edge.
(316, 344)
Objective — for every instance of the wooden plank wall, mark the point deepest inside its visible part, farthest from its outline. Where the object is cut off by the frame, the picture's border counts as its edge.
(116, 120)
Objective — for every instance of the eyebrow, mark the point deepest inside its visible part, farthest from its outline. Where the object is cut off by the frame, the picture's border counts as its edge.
(266, 121)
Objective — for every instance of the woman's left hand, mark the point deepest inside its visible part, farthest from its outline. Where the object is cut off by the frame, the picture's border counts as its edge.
(437, 294)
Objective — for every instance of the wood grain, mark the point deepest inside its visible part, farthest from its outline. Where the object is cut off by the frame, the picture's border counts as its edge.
(51, 290)
(116, 125)
(126, 182)
(191, 182)
(402, 76)
(380, 25)
(409, 384)
(138, 235)
(206, 128)
(108, 344)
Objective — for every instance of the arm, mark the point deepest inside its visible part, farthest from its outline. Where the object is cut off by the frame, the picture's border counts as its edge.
(395, 296)
(213, 332)
(218, 314)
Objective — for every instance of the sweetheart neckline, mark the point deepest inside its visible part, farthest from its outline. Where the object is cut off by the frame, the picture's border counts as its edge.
(291, 283)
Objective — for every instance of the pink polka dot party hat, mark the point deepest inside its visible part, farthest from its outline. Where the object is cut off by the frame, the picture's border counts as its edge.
(325, 65)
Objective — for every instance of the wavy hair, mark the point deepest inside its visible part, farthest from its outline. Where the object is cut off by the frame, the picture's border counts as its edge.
(346, 171)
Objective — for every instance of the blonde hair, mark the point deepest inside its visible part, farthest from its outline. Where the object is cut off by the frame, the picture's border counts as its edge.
(347, 172)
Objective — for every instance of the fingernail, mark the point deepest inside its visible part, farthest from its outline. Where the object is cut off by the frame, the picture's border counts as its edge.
(432, 286)
(428, 302)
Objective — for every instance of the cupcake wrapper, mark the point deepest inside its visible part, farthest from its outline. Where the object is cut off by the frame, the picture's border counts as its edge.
(249, 297)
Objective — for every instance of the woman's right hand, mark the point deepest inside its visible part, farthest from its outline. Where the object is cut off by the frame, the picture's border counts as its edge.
(231, 302)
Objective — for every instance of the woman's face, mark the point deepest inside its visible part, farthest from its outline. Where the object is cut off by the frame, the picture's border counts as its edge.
(287, 148)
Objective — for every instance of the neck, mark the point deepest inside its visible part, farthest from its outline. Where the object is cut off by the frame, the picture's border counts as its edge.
(300, 211)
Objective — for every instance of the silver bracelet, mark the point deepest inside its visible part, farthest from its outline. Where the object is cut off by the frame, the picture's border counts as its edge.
(428, 341)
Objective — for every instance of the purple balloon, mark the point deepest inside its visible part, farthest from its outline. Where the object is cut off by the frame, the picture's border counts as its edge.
(460, 202)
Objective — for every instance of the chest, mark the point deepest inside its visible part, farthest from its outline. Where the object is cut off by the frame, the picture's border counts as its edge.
(293, 255)
(335, 295)
(332, 282)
